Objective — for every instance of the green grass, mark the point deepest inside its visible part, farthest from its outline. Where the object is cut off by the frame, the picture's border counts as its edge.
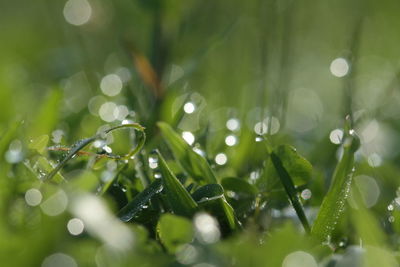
(223, 145)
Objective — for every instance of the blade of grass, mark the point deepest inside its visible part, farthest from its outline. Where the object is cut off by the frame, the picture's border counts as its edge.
(136, 205)
(290, 190)
(79, 145)
(333, 204)
(179, 198)
(194, 164)
(211, 198)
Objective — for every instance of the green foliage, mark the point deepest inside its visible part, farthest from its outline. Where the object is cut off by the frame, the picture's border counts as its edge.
(178, 197)
(334, 202)
(194, 164)
(174, 231)
(96, 97)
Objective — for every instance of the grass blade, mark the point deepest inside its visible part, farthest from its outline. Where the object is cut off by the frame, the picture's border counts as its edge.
(136, 205)
(211, 198)
(78, 146)
(179, 198)
(290, 190)
(333, 204)
(194, 164)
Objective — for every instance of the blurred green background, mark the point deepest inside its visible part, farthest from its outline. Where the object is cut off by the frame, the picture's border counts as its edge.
(290, 70)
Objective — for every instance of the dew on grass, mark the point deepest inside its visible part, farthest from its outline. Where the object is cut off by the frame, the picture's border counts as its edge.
(221, 159)
(120, 112)
(107, 149)
(198, 150)
(299, 259)
(374, 160)
(369, 189)
(33, 197)
(306, 194)
(187, 254)
(14, 152)
(153, 162)
(336, 136)
(77, 12)
(188, 137)
(339, 67)
(75, 226)
(124, 74)
(95, 103)
(189, 107)
(106, 111)
(56, 204)
(231, 140)
(207, 230)
(124, 122)
(111, 85)
(233, 124)
(59, 260)
(100, 222)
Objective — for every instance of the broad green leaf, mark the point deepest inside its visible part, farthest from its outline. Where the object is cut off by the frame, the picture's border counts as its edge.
(174, 231)
(180, 200)
(299, 169)
(238, 185)
(211, 198)
(136, 205)
(288, 184)
(333, 204)
(194, 164)
(208, 191)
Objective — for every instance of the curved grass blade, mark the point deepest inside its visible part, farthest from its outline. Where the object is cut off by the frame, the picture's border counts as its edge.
(78, 146)
(136, 205)
(333, 204)
(194, 164)
(178, 197)
(211, 198)
(290, 190)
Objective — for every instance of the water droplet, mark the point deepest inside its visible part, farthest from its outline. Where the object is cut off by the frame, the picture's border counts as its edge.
(230, 140)
(339, 67)
(189, 107)
(221, 159)
(233, 124)
(188, 137)
(306, 194)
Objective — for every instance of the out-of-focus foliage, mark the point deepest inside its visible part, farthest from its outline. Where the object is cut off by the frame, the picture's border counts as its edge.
(239, 153)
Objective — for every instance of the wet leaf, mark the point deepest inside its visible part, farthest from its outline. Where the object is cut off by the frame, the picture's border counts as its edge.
(333, 204)
(299, 169)
(211, 198)
(137, 204)
(174, 231)
(178, 197)
(194, 164)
